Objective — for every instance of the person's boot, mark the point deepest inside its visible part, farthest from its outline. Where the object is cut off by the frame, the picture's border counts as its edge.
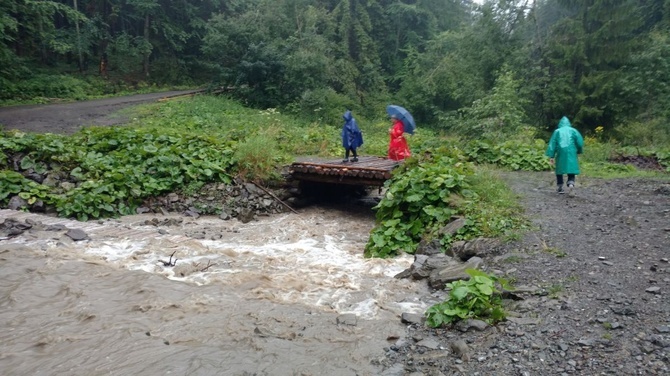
(560, 189)
(345, 160)
(354, 159)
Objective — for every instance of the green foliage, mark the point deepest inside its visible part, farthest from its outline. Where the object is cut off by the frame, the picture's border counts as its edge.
(491, 210)
(258, 156)
(47, 86)
(597, 160)
(114, 169)
(498, 115)
(416, 201)
(126, 52)
(513, 154)
(644, 134)
(12, 183)
(427, 191)
(479, 298)
(321, 105)
(484, 71)
(227, 119)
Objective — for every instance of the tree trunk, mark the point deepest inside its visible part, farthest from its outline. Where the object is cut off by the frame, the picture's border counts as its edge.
(146, 54)
(43, 49)
(80, 60)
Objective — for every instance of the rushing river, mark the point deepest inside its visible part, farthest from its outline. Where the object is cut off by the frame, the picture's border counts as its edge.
(276, 296)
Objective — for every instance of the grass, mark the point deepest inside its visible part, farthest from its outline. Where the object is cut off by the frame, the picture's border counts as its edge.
(608, 170)
(555, 290)
(552, 250)
(44, 87)
(595, 162)
(499, 210)
(512, 260)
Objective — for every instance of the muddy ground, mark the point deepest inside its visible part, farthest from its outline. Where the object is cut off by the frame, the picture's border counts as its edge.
(593, 276)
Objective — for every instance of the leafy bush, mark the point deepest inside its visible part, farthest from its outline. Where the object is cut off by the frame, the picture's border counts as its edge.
(498, 115)
(50, 86)
(513, 154)
(114, 169)
(13, 183)
(644, 134)
(479, 297)
(416, 201)
(427, 191)
(322, 105)
(663, 157)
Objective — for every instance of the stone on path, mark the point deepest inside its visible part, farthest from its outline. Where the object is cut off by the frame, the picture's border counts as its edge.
(411, 318)
(77, 234)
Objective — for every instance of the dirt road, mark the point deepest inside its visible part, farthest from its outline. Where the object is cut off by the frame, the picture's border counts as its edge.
(67, 118)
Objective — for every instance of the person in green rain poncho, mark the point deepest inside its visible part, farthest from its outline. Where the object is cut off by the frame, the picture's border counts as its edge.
(565, 143)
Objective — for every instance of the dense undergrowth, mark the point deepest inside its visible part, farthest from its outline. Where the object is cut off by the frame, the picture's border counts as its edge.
(40, 87)
(106, 172)
(427, 192)
(185, 144)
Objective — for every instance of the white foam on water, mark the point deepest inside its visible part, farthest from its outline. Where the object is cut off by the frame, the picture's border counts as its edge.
(118, 251)
(327, 273)
(284, 259)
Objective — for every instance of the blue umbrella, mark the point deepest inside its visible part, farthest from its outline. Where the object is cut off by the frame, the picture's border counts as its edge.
(404, 116)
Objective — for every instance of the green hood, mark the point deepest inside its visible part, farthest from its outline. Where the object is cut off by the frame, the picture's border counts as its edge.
(564, 122)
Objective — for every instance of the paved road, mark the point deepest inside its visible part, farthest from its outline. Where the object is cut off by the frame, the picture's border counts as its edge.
(67, 118)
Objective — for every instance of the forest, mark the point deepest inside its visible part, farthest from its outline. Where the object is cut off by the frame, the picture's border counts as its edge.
(499, 67)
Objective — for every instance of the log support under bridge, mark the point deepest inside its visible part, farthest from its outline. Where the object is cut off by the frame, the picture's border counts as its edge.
(368, 170)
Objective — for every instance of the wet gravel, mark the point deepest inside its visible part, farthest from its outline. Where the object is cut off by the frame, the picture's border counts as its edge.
(593, 276)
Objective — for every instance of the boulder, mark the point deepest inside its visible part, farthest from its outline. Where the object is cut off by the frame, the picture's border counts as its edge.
(245, 215)
(424, 265)
(452, 227)
(479, 247)
(429, 247)
(17, 203)
(440, 277)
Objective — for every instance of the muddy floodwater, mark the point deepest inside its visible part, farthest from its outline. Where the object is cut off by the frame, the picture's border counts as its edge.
(284, 295)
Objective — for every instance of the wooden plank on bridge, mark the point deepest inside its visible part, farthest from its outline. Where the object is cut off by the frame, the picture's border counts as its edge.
(369, 170)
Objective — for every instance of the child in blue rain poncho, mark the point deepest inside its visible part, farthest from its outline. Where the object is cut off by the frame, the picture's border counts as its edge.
(565, 143)
(352, 138)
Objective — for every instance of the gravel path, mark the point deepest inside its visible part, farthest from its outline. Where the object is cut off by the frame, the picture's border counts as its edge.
(67, 118)
(593, 276)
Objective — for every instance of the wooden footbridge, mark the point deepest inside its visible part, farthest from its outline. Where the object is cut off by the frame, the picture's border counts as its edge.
(368, 170)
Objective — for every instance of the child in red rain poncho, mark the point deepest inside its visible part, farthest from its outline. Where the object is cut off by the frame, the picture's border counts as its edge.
(398, 148)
